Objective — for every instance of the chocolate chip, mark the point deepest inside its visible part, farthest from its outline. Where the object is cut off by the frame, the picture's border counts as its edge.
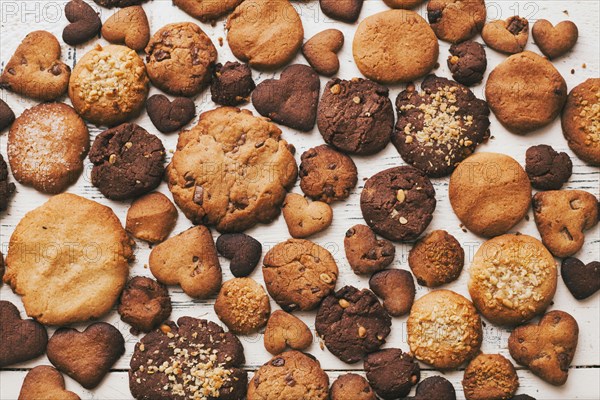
(56, 70)
(278, 362)
(434, 16)
(517, 25)
(161, 55)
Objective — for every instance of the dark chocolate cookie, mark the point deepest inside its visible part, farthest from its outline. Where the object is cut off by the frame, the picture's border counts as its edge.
(523, 397)
(352, 323)
(435, 387)
(7, 116)
(128, 162)
(582, 280)
(467, 62)
(392, 373)
(440, 126)
(170, 116)
(356, 116)
(547, 169)
(22, 340)
(144, 303)
(6, 188)
(85, 23)
(398, 203)
(244, 252)
(342, 10)
(196, 359)
(118, 3)
(232, 84)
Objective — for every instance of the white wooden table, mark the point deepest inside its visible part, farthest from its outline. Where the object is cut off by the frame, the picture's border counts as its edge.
(20, 17)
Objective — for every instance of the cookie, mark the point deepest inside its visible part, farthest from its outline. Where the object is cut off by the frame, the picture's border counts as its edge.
(83, 255)
(490, 193)
(321, 51)
(151, 218)
(35, 70)
(207, 10)
(285, 330)
(118, 3)
(299, 274)
(435, 387)
(457, 325)
(581, 121)
(490, 376)
(455, 21)
(467, 62)
(396, 288)
(169, 116)
(7, 116)
(546, 348)
(144, 304)
(352, 323)
(525, 92)
(562, 217)
(189, 260)
(266, 34)
(243, 305)
(356, 116)
(513, 279)
(506, 36)
(109, 85)
(436, 259)
(244, 252)
(84, 24)
(546, 168)
(22, 340)
(403, 3)
(365, 253)
(304, 219)
(342, 10)
(554, 41)
(351, 386)
(128, 26)
(6, 188)
(180, 58)
(232, 84)
(326, 174)
(128, 162)
(392, 373)
(522, 397)
(440, 126)
(202, 355)
(232, 170)
(1, 267)
(86, 356)
(395, 46)
(582, 280)
(45, 382)
(398, 203)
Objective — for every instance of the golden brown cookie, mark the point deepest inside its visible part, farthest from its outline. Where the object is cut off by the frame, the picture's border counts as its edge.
(456, 20)
(554, 41)
(506, 36)
(128, 26)
(304, 219)
(403, 3)
(351, 387)
(436, 259)
(396, 287)
(365, 253)
(45, 382)
(243, 305)
(321, 51)
(285, 330)
(151, 217)
(207, 10)
(490, 376)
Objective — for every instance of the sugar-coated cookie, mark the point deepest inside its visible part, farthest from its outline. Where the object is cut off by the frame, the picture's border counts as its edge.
(45, 382)
(128, 26)
(454, 20)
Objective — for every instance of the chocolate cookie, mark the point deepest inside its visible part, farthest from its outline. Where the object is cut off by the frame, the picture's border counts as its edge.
(490, 376)
(455, 21)
(6, 188)
(84, 24)
(392, 373)
(207, 10)
(434, 387)
(467, 62)
(128, 162)
(546, 168)
(351, 386)
(365, 253)
(232, 84)
(144, 303)
(243, 305)
(582, 280)
(193, 360)
(440, 126)
(244, 252)
(352, 323)
(170, 116)
(7, 116)
(356, 116)
(118, 3)
(396, 287)
(436, 259)
(398, 203)
(22, 340)
(342, 10)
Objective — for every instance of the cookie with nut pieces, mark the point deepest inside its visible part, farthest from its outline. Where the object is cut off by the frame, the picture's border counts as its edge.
(490, 376)
(243, 305)
(436, 259)
(231, 84)
(467, 62)
(285, 330)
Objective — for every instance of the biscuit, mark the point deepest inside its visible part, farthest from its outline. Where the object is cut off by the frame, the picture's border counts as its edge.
(243, 305)
(22, 340)
(546, 168)
(440, 126)
(266, 34)
(169, 116)
(525, 92)
(522, 397)
(398, 203)
(6, 188)
(365, 253)
(456, 322)
(392, 373)
(554, 41)
(207, 10)
(395, 46)
(436, 259)
(244, 252)
(128, 26)
(7, 116)
(299, 274)
(490, 376)
(45, 382)
(1, 267)
(582, 280)
(351, 386)
(396, 287)
(144, 304)
(403, 3)
(455, 21)
(84, 24)
(506, 36)
(342, 10)
(35, 70)
(304, 219)
(489, 193)
(513, 279)
(467, 62)
(285, 330)
(232, 170)
(118, 3)
(82, 255)
(109, 85)
(189, 260)
(321, 51)
(232, 84)
(151, 217)
(180, 58)
(435, 387)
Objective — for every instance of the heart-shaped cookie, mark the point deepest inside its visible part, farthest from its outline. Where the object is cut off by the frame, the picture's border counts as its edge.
(244, 252)
(554, 41)
(86, 356)
(21, 340)
(582, 280)
(35, 70)
(7, 116)
(84, 23)
(45, 382)
(128, 26)
(290, 100)
(285, 330)
(321, 51)
(342, 10)
(547, 348)
(507, 36)
(365, 253)
(304, 219)
(169, 116)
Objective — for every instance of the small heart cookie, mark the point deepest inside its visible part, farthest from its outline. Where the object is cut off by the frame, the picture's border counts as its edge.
(170, 116)
(45, 382)
(342, 10)
(244, 252)
(84, 23)
(582, 280)
(554, 41)
(303, 218)
(128, 26)
(507, 36)
(21, 340)
(321, 51)
(285, 330)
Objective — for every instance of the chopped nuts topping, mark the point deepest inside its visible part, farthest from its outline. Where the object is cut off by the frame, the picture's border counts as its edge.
(356, 100)
(326, 278)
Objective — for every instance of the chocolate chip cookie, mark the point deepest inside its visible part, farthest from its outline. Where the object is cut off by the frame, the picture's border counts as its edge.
(231, 84)
(144, 303)
(6, 188)
(436, 259)
(455, 21)
(392, 373)
(546, 168)
(467, 62)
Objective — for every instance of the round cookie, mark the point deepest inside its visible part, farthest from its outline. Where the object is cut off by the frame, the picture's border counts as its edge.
(403, 3)
(243, 306)
(118, 3)
(455, 20)
(180, 58)
(109, 85)
(444, 329)
(392, 373)
(435, 387)
(289, 376)
(436, 259)
(144, 303)
(513, 279)
(467, 62)
(128, 162)
(395, 46)
(440, 126)
(581, 121)
(525, 92)
(299, 274)
(398, 203)
(76, 263)
(490, 193)
(193, 360)
(546, 168)
(490, 376)
(351, 386)
(267, 34)
(46, 147)
(6, 188)
(232, 170)
(327, 175)
(207, 10)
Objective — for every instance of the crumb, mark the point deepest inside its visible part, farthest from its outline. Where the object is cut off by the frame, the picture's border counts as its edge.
(492, 137)
(565, 12)
(572, 72)
(527, 218)
(436, 66)
(220, 41)
(584, 65)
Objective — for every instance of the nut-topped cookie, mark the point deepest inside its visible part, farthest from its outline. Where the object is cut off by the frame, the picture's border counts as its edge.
(243, 305)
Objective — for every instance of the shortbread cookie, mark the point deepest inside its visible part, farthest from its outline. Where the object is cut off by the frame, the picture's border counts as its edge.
(365, 253)
(467, 62)
(351, 386)
(6, 188)
(128, 26)
(22, 340)
(342, 10)
(454, 20)
(84, 24)
(490, 376)
(436, 259)
(554, 41)
(207, 10)
(144, 303)
(321, 51)
(151, 217)
(547, 169)
(392, 373)
(45, 382)
(170, 116)
(285, 330)
(506, 36)
(232, 84)
(243, 305)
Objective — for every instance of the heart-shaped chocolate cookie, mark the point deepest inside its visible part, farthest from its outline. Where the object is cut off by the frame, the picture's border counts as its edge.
(128, 26)
(20, 340)
(507, 36)
(321, 51)
(286, 330)
(582, 280)
(84, 23)
(7, 116)
(169, 116)
(45, 382)
(292, 99)
(365, 253)
(304, 219)
(86, 356)
(244, 252)
(343, 10)
(554, 41)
